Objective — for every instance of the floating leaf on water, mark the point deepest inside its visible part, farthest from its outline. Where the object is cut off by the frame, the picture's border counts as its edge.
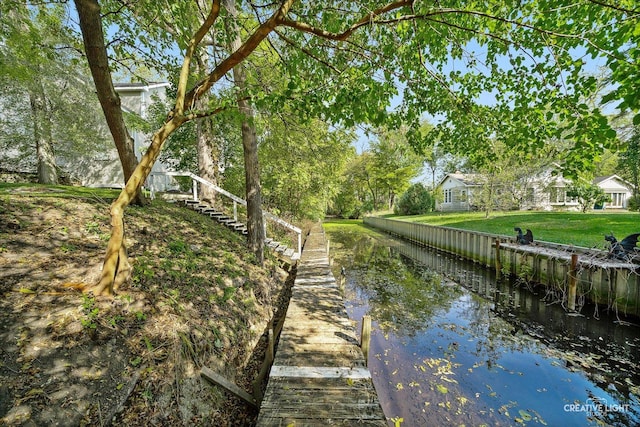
(493, 394)
(525, 415)
(442, 389)
(462, 400)
(26, 291)
(399, 386)
(414, 384)
(449, 380)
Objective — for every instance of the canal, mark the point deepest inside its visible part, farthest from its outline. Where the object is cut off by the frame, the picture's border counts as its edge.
(452, 346)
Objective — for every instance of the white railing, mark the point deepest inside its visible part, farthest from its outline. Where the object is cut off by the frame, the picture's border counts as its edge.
(195, 179)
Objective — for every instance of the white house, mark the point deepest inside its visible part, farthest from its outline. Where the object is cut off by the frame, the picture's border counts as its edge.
(104, 168)
(618, 190)
(545, 192)
(457, 189)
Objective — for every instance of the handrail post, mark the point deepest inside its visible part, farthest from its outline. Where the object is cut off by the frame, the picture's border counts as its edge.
(264, 225)
(235, 211)
(194, 186)
(299, 243)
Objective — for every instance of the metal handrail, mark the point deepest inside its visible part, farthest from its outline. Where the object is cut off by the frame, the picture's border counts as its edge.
(195, 179)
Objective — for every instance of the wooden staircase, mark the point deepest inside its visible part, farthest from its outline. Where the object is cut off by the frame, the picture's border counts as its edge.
(282, 250)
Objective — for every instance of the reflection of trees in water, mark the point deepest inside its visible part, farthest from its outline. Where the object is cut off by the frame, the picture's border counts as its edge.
(402, 295)
(493, 336)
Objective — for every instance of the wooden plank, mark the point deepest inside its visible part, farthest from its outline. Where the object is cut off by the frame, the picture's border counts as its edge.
(299, 354)
(228, 385)
(319, 372)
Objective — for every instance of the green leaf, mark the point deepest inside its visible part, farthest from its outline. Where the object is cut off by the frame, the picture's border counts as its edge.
(525, 415)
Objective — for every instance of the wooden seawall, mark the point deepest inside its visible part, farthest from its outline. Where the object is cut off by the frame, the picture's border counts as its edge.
(565, 269)
(319, 375)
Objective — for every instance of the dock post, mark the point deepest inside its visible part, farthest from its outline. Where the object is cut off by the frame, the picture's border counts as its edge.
(573, 273)
(498, 266)
(365, 337)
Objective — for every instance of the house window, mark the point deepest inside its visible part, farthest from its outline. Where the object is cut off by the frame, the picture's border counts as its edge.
(557, 195)
(616, 200)
(530, 195)
(447, 195)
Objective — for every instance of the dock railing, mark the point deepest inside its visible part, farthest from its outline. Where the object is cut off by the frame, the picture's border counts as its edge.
(195, 179)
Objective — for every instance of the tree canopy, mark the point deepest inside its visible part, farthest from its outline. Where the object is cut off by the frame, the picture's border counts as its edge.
(518, 71)
(515, 72)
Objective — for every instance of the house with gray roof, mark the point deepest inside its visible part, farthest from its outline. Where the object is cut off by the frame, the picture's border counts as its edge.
(545, 192)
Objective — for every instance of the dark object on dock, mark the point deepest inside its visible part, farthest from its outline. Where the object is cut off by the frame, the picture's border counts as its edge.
(523, 239)
(625, 249)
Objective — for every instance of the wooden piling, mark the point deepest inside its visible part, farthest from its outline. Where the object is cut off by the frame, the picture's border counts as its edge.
(266, 363)
(498, 265)
(365, 337)
(573, 283)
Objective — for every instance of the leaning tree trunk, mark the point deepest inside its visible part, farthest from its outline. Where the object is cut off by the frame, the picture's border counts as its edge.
(95, 49)
(116, 268)
(47, 172)
(255, 224)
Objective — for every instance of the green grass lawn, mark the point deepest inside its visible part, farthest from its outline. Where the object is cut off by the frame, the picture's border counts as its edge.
(39, 190)
(570, 228)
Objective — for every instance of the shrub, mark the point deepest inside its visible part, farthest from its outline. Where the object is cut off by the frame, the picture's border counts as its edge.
(633, 204)
(416, 200)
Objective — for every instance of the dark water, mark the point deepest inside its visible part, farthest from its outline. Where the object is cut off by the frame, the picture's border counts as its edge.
(452, 346)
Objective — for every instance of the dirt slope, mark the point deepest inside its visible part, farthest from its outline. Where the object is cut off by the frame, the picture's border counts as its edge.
(195, 299)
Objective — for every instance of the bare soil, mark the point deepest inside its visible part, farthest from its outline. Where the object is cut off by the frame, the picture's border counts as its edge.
(195, 299)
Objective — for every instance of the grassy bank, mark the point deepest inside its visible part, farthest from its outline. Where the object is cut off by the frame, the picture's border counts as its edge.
(570, 228)
(195, 299)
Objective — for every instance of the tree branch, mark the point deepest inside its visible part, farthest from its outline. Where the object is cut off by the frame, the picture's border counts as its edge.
(239, 55)
(193, 44)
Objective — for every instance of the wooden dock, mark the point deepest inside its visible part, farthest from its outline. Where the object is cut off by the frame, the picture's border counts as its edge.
(319, 375)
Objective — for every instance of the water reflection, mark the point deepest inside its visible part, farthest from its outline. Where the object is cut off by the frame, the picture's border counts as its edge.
(486, 352)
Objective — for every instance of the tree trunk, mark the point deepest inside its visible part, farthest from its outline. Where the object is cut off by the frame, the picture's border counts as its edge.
(208, 150)
(116, 268)
(93, 36)
(47, 172)
(207, 159)
(255, 225)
